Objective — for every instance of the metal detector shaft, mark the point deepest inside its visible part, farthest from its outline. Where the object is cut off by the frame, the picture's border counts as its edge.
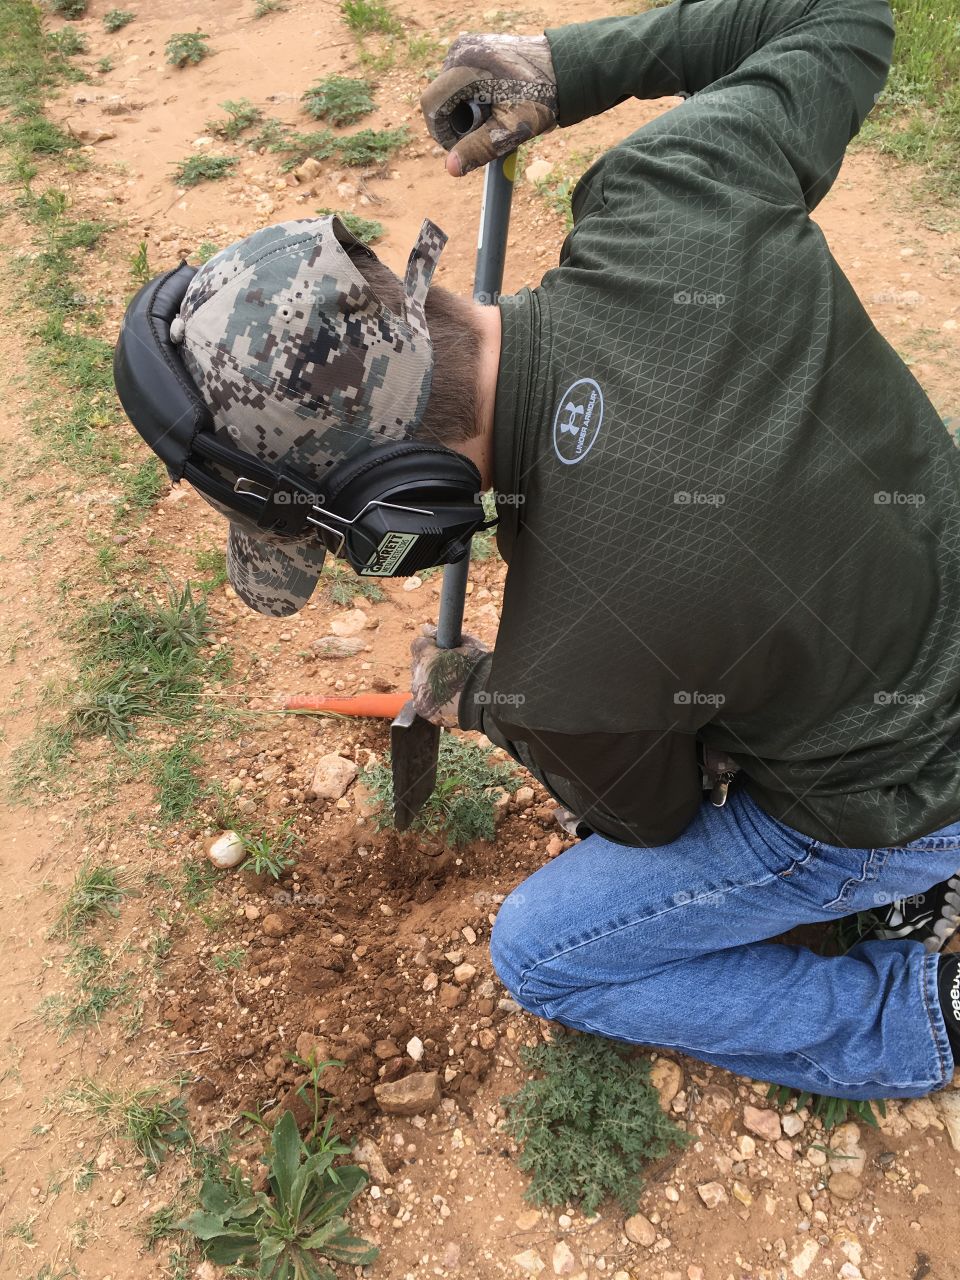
(415, 742)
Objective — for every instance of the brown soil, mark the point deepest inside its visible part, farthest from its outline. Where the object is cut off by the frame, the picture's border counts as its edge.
(371, 925)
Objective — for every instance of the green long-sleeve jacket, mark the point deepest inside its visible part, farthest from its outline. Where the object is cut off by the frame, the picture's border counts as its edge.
(730, 513)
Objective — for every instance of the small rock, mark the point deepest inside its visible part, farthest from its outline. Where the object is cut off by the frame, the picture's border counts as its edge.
(784, 1149)
(470, 935)
(804, 1202)
(415, 1048)
(742, 1193)
(713, 1194)
(792, 1124)
(332, 777)
(949, 1104)
(844, 1186)
(666, 1077)
(337, 646)
(694, 1272)
(763, 1122)
(250, 912)
(523, 795)
(350, 623)
(430, 982)
(850, 1157)
(118, 1197)
(529, 1219)
(537, 170)
(413, 584)
(529, 1261)
(746, 1147)
(276, 926)
(464, 974)
(640, 1230)
(309, 170)
(412, 1095)
(921, 1113)
(563, 1259)
(801, 1262)
(817, 1157)
(366, 1155)
(386, 1049)
(449, 996)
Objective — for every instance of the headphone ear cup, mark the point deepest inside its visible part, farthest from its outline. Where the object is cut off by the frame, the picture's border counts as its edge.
(387, 470)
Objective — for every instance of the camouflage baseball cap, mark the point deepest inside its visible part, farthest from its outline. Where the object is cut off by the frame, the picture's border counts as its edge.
(301, 364)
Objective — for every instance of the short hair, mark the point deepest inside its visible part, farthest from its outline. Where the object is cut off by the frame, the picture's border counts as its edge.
(452, 412)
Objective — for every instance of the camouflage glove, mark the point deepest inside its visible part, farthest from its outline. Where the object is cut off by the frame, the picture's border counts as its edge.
(513, 75)
(440, 674)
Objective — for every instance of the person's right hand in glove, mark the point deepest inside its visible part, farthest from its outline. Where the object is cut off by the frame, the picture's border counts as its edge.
(513, 75)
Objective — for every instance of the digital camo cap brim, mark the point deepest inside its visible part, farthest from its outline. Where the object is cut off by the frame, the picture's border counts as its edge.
(272, 579)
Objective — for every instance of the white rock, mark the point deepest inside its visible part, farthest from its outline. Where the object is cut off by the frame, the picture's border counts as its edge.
(763, 1122)
(640, 1230)
(712, 1194)
(563, 1259)
(350, 623)
(792, 1124)
(537, 170)
(332, 776)
(413, 584)
(801, 1262)
(415, 1048)
(529, 1261)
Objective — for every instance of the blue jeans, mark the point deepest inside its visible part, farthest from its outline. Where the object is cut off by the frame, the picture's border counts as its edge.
(665, 947)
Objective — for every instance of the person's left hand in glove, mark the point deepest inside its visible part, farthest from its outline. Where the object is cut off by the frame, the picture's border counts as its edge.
(439, 675)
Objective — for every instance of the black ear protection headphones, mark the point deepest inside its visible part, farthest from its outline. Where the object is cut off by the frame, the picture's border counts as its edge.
(392, 510)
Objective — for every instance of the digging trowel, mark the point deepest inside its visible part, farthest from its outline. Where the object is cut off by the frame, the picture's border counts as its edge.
(414, 741)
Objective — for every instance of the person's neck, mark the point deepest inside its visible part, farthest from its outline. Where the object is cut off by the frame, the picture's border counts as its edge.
(479, 448)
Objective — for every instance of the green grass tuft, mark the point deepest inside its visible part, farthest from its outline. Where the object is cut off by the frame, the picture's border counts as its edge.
(177, 777)
(203, 168)
(264, 7)
(344, 586)
(152, 1120)
(339, 99)
(96, 891)
(372, 146)
(71, 9)
(369, 230)
(115, 19)
(462, 806)
(187, 48)
(587, 1123)
(68, 42)
(241, 115)
(370, 17)
(830, 1111)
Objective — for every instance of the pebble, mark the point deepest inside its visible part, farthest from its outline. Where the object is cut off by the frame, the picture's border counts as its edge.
(332, 777)
(850, 1156)
(949, 1104)
(792, 1124)
(713, 1194)
(817, 1157)
(337, 646)
(415, 1048)
(529, 1219)
(411, 1095)
(763, 1122)
(922, 1114)
(430, 982)
(470, 935)
(804, 1201)
(844, 1186)
(666, 1077)
(251, 912)
(449, 996)
(742, 1193)
(801, 1262)
(640, 1230)
(530, 1261)
(563, 1259)
(565, 1221)
(746, 1147)
(694, 1272)
(276, 926)
(350, 623)
(413, 584)
(118, 1197)
(464, 974)
(537, 170)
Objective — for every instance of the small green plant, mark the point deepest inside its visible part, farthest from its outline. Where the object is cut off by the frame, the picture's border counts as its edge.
(367, 229)
(462, 804)
(344, 586)
(235, 958)
(588, 1122)
(830, 1111)
(370, 17)
(187, 47)
(211, 563)
(206, 250)
(68, 43)
(203, 168)
(372, 146)
(176, 774)
(143, 486)
(139, 266)
(339, 99)
(287, 1229)
(96, 890)
(71, 9)
(153, 1120)
(241, 115)
(271, 857)
(263, 7)
(297, 147)
(104, 65)
(115, 19)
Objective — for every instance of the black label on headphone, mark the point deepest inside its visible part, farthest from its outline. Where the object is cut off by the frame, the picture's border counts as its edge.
(391, 551)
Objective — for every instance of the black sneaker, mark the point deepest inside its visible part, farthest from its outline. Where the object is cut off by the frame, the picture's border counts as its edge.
(931, 918)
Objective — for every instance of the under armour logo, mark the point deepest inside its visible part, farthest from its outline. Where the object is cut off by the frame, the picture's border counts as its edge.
(574, 413)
